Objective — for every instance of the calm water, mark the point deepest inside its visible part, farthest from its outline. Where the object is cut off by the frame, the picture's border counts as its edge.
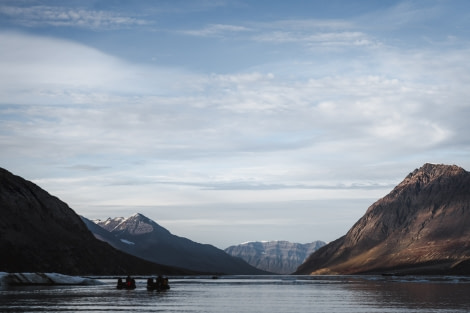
(274, 294)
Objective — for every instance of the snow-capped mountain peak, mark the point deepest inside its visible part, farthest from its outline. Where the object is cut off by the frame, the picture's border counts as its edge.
(136, 224)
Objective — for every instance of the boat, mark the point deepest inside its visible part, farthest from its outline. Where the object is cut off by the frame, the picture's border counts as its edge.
(129, 284)
(159, 284)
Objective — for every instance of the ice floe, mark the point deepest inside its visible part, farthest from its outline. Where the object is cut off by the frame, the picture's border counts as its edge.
(44, 279)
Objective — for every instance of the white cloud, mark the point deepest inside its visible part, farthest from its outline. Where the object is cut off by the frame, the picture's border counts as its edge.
(46, 70)
(311, 33)
(343, 38)
(43, 15)
(216, 30)
(309, 24)
(107, 106)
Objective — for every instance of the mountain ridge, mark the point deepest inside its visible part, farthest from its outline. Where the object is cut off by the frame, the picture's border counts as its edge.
(421, 226)
(141, 236)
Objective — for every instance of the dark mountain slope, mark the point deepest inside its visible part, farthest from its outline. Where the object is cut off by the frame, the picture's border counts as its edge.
(40, 233)
(142, 237)
(422, 226)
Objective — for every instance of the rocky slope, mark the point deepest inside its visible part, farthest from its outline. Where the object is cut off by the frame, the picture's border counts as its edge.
(143, 237)
(422, 226)
(40, 233)
(280, 257)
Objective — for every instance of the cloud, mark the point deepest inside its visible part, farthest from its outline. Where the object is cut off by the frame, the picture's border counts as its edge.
(91, 101)
(315, 33)
(404, 15)
(87, 167)
(251, 185)
(216, 30)
(309, 24)
(48, 70)
(346, 38)
(58, 16)
(327, 33)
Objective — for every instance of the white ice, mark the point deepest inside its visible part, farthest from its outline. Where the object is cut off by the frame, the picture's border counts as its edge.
(44, 279)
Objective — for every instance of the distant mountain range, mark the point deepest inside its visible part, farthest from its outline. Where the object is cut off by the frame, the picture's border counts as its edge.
(421, 227)
(40, 233)
(142, 237)
(281, 257)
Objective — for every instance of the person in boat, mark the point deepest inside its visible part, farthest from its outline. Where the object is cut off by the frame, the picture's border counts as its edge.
(120, 284)
(165, 284)
(151, 284)
(159, 282)
(129, 284)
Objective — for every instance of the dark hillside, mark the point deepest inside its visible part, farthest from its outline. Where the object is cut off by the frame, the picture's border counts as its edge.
(40, 233)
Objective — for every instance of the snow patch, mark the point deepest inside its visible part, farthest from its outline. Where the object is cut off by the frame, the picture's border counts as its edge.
(44, 279)
(248, 242)
(127, 242)
(116, 220)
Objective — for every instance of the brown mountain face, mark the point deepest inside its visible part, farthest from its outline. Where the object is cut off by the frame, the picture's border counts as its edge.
(421, 227)
(40, 233)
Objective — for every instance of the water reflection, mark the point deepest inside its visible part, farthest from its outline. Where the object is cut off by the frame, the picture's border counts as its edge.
(235, 294)
(417, 294)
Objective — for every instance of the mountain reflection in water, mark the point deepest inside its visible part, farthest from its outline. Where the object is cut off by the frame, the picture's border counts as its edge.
(251, 294)
(417, 293)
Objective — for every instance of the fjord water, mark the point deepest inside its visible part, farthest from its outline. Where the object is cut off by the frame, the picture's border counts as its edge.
(273, 294)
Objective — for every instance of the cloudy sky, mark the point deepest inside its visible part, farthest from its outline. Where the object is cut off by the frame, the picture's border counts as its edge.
(232, 121)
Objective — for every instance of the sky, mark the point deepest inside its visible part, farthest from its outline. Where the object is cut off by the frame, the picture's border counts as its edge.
(229, 121)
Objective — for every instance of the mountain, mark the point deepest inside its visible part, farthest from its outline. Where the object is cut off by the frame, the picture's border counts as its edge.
(40, 233)
(142, 237)
(280, 257)
(422, 227)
